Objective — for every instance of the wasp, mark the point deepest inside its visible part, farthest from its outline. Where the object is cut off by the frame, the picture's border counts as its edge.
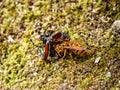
(72, 48)
(51, 41)
(58, 45)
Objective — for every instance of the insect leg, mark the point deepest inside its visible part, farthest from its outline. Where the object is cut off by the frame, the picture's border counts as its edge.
(64, 54)
(58, 53)
(72, 58)
(39, 47)
(46, 53)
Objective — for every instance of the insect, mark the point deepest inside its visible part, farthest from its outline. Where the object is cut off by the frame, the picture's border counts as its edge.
(59, 45)
(71, 48)
(51, 42)
(54, 38)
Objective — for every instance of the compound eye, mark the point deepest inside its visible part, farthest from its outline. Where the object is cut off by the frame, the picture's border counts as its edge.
(42, 37)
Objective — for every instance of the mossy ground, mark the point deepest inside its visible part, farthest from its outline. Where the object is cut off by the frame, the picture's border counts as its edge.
(22, 67)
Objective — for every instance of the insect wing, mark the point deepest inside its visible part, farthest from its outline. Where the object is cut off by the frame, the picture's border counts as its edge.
(46, 53)
(57, 35)
(60, 37)
(74, 48)
(78, 50)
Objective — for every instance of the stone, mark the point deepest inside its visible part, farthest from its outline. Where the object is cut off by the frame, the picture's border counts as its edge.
(116, 28)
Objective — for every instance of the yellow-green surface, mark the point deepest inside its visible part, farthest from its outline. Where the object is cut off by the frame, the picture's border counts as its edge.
(22, 67)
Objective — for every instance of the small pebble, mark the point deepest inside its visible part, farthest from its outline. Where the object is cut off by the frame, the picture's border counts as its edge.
(49, 79)
(97, 60)
(10, 39)
(108, 74)
(35, 73)
(119, 81)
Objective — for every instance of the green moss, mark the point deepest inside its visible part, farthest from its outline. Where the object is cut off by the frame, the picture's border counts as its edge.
(21, 65)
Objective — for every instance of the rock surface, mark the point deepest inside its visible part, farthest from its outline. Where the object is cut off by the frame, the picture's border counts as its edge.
(116, 28)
